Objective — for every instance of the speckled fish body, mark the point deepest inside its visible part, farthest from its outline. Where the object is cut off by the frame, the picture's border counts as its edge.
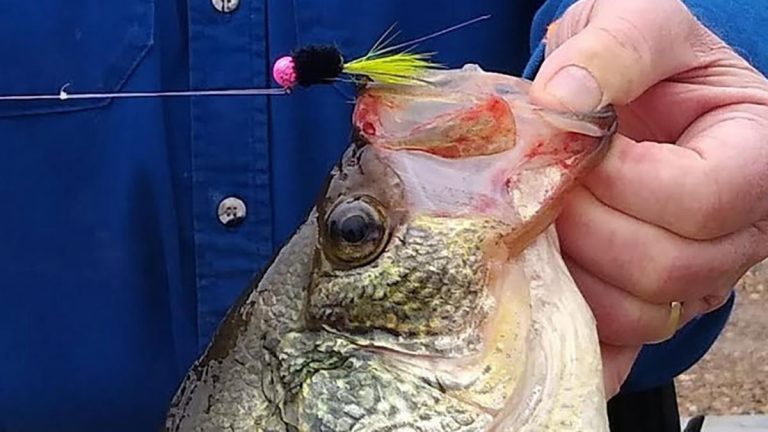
(426, 291)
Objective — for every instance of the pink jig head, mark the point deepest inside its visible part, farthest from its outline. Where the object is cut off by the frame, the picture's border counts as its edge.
(307, 66)
(284, 72)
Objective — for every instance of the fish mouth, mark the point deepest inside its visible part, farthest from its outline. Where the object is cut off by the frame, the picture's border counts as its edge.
(466, 112)
(522, 185)
(481, 130)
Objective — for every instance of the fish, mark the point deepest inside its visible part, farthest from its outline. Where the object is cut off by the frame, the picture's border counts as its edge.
(426, 290)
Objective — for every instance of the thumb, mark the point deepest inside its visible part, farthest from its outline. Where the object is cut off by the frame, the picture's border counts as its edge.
(610, 51)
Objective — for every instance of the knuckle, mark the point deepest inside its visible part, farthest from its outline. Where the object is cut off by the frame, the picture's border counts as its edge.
(671, 272)
(636, 324)
(704, 209)
(627, 39)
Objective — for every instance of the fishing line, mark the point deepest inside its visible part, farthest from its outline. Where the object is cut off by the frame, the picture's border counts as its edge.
(434, 35)
(63, 95)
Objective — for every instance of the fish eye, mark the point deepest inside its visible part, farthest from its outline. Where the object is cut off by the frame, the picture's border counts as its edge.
(355, 231)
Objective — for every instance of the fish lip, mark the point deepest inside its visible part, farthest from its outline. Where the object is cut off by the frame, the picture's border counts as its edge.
(608, 112)
(521, 237)
(607, 117)
(605, 120)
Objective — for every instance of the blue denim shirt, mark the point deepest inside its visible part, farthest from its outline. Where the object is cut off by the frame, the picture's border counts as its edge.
(114, 267)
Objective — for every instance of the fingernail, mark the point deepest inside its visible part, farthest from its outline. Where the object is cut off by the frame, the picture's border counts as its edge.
(575, 88)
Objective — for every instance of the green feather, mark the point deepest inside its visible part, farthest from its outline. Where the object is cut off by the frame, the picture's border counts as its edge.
(398, 68)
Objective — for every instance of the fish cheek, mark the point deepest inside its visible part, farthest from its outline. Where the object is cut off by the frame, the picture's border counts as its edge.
(346, 299)
(429, 281)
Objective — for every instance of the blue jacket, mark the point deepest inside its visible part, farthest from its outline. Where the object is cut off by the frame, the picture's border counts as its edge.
(114, 267)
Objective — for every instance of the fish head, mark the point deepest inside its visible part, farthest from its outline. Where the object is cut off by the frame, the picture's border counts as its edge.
(442, 185)
(410, 299)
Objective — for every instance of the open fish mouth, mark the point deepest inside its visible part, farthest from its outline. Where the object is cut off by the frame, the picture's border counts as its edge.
(426, 290)
(473, 142)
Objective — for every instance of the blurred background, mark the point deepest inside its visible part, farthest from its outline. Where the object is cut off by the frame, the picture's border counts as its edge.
(732, 379)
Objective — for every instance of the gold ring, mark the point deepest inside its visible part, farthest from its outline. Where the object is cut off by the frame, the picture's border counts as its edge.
(675, 315)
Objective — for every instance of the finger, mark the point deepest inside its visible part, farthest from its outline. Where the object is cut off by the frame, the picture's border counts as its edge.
(649, 262)
(574, 20)
(617, 363)
(624, 47)
(623, 319)
(668, 108)
(713, 183)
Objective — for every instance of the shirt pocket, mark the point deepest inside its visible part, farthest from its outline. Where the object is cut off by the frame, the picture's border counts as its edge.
(90, 46)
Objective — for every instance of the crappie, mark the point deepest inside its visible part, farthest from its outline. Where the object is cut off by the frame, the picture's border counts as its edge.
(426, 291)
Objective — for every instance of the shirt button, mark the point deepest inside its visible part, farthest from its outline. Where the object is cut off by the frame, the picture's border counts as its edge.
(231, 211)
(225, 6)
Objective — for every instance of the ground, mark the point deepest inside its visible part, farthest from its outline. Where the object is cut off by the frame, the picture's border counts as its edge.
(733, 377)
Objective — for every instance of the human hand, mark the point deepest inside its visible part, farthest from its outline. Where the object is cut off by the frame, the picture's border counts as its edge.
(677, 212)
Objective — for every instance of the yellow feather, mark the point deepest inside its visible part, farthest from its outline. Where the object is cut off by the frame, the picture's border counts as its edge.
(402, 67)
(398, 68)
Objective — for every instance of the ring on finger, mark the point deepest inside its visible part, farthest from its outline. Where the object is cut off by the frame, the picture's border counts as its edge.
(675, 316)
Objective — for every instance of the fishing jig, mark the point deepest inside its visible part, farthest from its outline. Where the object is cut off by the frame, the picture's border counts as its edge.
(322, 64)
(307, 66)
